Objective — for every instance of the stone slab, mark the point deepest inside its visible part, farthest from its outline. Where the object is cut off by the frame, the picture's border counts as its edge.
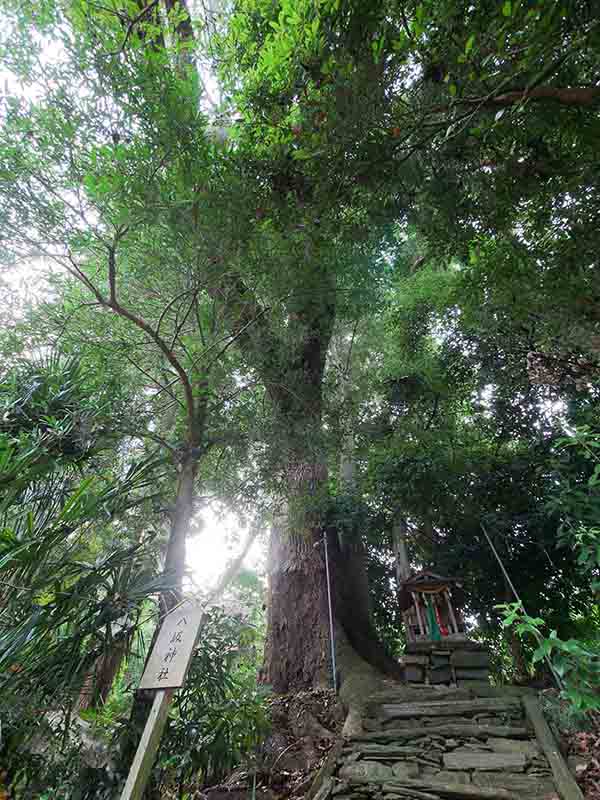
(366, 772)
(463, 759)
(397, 735)
(524, 785)
(458, 791)
(388, 750)
(414, 672)
(440, 675)
(454, 776)
(470, 658)
(472, 673)
(450, 708)
(418, 694)
(404, 769)
(529, 749)
(476, 687)
(445, 644)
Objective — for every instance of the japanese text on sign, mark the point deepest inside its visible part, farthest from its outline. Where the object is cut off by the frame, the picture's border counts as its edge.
(172, 651)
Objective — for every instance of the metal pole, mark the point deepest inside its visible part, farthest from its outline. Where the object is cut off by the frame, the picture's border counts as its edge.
(331, 631)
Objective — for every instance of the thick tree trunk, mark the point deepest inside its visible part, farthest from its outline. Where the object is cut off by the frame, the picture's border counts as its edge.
(98, 683)
(297, 651)
(352, 608)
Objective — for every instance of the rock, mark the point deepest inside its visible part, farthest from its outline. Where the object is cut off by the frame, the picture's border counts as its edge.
(529, 749)
(414, 673)
(429, 772)
(520, 784)
(454, 791)
(440, 674)
(391, 751)
(453, 777)
(341, 788)
(473, 659)
(325, 790)
(470, 674)
(405, 769)
(487, 762)
(431, 757)
(576, 762)
(411, 794)
(451, 743)
(366, 771)
(477, 746)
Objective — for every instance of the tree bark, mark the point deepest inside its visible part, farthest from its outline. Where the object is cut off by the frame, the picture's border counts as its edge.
(180, 524)
(297, 652)
(564, 95)
(98, 683)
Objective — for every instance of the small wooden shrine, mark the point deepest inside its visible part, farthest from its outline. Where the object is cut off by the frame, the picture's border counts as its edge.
(430, 606)
(437, 647)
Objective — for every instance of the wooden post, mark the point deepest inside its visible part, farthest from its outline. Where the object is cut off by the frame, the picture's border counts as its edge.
(418, 610)
(565, 782)
(164, 672)
(451, 611)
(148, 746)
(406, 619)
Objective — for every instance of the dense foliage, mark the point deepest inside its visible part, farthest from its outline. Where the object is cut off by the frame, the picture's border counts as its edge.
(329, 262)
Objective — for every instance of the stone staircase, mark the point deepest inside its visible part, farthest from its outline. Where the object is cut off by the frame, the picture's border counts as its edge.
(431, 743)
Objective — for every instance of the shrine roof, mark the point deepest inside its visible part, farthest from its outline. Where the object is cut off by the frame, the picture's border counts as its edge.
(427, 579)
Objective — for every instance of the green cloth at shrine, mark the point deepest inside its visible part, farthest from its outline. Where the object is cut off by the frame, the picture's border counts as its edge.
(434, 629)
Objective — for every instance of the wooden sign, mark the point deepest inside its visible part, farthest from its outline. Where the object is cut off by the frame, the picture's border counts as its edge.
(165, 671)
(173, 649)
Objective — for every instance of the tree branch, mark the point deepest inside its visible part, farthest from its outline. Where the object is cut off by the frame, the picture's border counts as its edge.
(114, 304)
(138, 18)
(163, 387)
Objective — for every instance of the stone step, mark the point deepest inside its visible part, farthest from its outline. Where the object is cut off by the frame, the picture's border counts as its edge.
(404, 694)
(460, 791)
(485, 761)
(466, 729)
(450, 708)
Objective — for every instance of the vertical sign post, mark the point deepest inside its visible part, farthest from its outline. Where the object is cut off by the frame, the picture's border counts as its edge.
(165, 671)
